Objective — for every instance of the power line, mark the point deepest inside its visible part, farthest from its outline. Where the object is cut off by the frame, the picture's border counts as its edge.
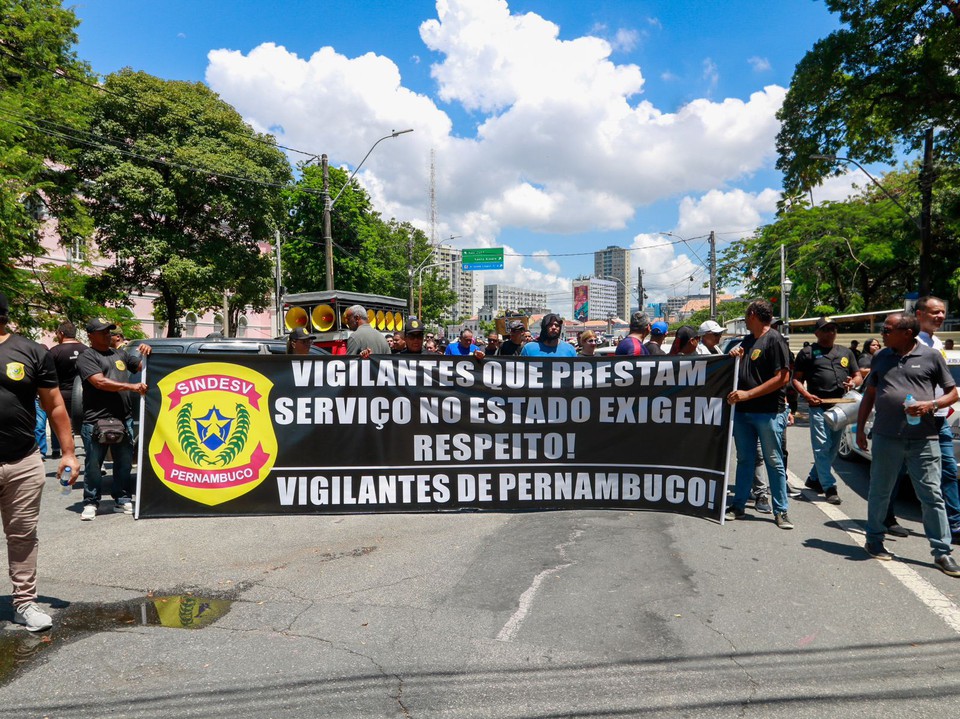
(156, 160)
(59, 72)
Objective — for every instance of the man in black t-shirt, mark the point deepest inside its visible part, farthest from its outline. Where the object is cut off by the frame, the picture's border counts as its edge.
(106, 373)
(761, 414)
(65, 354)
(514, 342)
(828, 371)
(26, 373)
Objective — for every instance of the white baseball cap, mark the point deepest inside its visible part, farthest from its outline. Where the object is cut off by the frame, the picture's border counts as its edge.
(709, 327)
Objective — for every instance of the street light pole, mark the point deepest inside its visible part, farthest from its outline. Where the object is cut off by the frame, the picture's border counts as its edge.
(328, 203)
(787, 287)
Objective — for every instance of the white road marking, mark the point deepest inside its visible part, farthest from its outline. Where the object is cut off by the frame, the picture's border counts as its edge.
(513, 624)
(935, 600)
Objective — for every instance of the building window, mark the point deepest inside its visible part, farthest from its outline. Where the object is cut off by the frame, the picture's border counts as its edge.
(190, 324)
(218, 323)
(76, 250)
(242, 327)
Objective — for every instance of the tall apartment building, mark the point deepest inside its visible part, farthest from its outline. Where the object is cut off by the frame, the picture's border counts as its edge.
(504, 297)
(615, 262)
(461, 282)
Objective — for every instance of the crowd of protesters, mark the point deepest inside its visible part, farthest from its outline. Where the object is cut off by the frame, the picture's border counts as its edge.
(913, 436)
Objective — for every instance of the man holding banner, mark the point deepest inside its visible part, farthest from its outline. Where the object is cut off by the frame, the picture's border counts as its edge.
(761, 411)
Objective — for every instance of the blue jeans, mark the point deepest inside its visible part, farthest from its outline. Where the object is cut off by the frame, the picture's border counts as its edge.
(768, 428)
(40, 429)
(826, 444)
(122, 453)
(948, 475)
(923, 464)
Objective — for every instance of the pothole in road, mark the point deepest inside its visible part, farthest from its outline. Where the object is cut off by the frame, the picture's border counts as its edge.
(20, 648)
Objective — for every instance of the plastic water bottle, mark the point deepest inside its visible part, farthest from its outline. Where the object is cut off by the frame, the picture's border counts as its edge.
(65, 488)
(909, 402)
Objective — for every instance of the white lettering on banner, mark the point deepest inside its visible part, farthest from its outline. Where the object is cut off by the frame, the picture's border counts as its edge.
(662, 410)
(378, 411)
(395, 373)
(373, 490)
(506, 446)
(489, 488)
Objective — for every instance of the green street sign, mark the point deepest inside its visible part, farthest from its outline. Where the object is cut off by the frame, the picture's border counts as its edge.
(483, 258)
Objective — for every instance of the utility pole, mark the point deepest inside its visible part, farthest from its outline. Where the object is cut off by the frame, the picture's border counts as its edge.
(327, 231)
(276, 238)
(640, 293)
(410, 270)
(713, 275)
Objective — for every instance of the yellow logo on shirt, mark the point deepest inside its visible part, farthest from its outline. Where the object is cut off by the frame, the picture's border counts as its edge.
(755, 355)
(120, 365)
(844, 361)
(15, 371)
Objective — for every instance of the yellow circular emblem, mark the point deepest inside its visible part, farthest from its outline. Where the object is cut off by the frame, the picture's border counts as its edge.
(214, 439)
(15, 371)
(755, 355)
(844, 361)
(120, 365)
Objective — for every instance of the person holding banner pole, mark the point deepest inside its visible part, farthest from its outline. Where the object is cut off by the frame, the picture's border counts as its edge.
(761, 414)
(549, 344)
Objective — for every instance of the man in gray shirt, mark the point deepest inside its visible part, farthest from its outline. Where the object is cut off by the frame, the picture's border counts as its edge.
(364, 340)
(906, 367)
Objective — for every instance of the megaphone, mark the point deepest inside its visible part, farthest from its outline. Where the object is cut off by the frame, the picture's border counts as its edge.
(295, 317)
(398, 321)
(323, 317)
(372, 318)
(389, 321)
(381, 320)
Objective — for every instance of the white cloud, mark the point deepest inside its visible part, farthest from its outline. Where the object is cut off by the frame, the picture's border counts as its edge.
(625, 40)
(840, 187)
(711, 74)
(543, 257)
(565, 143)
(759, 64)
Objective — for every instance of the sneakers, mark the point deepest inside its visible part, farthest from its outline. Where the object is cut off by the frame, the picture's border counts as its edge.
(832, 496)
(734, 513)
(895, 530)
(814, 484)
(782, 520)
(762, 504)
(948, 565)
(878, 551)
(35, 620)
(89, 513)
(125, 507)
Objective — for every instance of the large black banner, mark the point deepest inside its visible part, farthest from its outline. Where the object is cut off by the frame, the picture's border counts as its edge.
(304, 435)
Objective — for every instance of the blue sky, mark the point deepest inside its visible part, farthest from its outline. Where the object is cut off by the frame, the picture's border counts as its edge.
(558, 127)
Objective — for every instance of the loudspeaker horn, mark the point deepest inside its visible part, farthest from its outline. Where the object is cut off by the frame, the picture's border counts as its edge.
(323, 317)
(295, 317)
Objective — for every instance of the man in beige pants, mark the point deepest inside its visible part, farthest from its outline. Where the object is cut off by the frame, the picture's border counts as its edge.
(26, 372)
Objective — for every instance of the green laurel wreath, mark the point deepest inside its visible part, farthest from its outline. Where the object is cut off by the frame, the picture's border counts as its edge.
(238, 438)
(187, 437)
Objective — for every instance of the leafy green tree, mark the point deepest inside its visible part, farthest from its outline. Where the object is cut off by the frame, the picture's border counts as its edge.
(42, 97)
(726, 311)
(370, 255)
(183, 193)
(873, 87)
(842, 257)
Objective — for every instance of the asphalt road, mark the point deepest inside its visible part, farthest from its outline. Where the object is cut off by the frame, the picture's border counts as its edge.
(555, 614)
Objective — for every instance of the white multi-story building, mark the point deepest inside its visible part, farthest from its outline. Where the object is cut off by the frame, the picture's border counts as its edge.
(450, 267)
(503, 297)
(615, 262)
(594, 299)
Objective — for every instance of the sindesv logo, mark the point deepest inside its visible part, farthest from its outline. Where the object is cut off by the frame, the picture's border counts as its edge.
(214, 439)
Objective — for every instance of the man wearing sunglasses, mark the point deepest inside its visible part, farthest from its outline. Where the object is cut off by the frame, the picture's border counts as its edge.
(906, 367)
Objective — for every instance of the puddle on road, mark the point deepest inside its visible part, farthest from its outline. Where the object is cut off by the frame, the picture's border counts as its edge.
(19, 648)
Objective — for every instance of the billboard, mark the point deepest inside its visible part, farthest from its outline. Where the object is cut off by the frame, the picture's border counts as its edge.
(581, 302)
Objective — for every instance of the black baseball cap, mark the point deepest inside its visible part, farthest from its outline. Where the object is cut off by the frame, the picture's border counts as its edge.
(413, 325)
(300, 334)
(98, 324)
(823, 323)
